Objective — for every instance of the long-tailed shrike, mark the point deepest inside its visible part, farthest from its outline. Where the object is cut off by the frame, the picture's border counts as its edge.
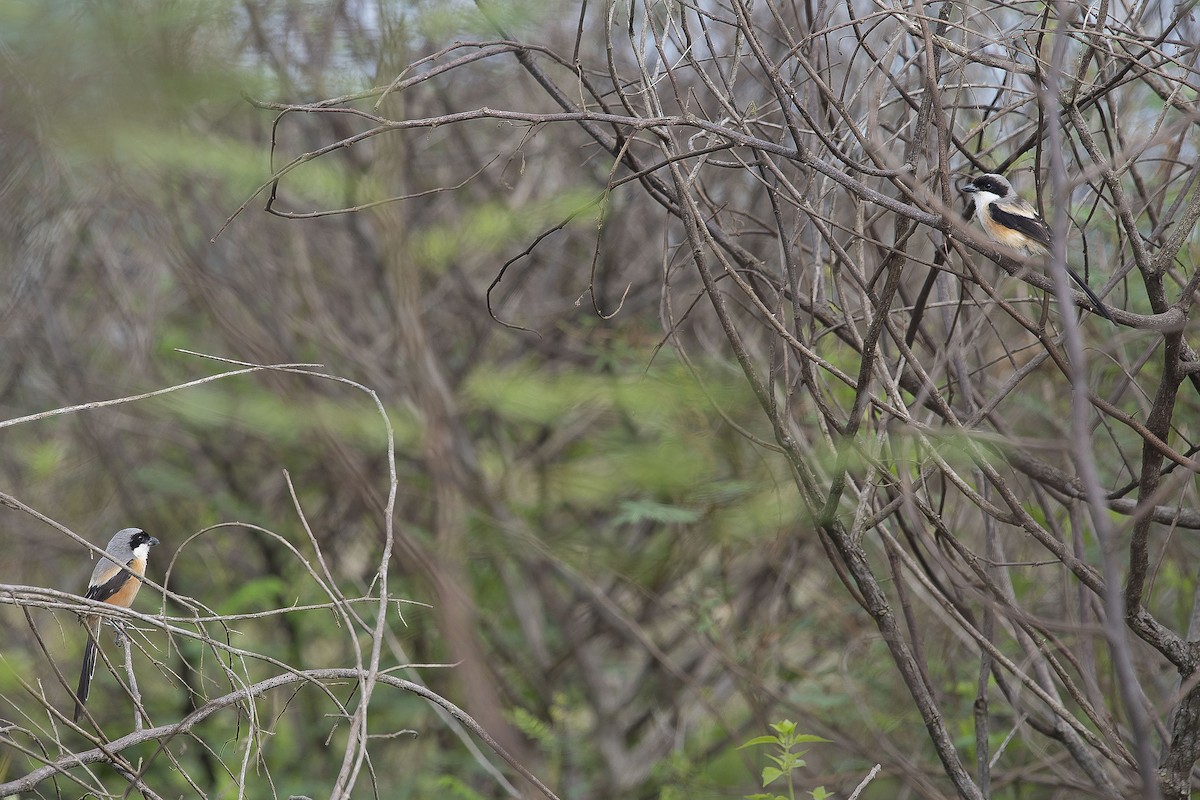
(116, 580)
(1008, 219)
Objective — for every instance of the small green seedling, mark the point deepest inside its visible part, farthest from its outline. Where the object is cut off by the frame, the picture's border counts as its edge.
(787, 759)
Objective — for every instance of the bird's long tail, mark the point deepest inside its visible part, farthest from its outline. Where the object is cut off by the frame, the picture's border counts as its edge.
(88, 669)
(1099, 306)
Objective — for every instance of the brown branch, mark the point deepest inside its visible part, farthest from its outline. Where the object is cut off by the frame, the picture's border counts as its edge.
(163, 734)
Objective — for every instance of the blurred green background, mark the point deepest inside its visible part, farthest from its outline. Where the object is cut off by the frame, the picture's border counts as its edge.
(617, 569)
(599, 552)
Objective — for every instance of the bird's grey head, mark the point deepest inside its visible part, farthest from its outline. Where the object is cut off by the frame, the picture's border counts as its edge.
(988, 187)
(130, 542)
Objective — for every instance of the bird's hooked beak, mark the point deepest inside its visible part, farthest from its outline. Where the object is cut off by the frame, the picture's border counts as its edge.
(152, 541)
(968, 188)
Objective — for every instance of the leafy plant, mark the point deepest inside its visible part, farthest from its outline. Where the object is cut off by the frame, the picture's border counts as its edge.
(786, 758)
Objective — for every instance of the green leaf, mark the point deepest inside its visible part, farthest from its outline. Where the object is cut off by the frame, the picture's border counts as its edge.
(770, 775)
(531, 726)
(634, 511)
(805, 738)
(784, 727)
(759, 740)
(819, 793)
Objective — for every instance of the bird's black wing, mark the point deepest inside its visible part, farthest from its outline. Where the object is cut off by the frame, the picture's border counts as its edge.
(1033, 227)
(110, 586)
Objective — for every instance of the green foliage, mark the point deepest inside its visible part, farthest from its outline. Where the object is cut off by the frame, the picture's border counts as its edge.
(254, 595)
(254, 409)
(492, 226)
(787, 759)
(450, 786)
(238, 165)
(677, 775)
(43, 459)
(645, 442)
(147, 65)
(531, 726)
(457, 20)
(631, 512)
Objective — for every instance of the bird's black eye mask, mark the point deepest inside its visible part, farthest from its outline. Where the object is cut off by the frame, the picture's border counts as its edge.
(986, 183)
(140, 538)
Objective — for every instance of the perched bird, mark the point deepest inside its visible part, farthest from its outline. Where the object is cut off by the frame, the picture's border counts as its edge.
(116, 580)
(1008, 219)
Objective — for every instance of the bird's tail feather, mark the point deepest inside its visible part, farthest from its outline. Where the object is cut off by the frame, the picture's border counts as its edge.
(86, 672)
(1096, 303)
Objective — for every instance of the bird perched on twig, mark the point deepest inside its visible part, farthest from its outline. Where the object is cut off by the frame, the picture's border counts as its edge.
(116, 580)
(1008, 219)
